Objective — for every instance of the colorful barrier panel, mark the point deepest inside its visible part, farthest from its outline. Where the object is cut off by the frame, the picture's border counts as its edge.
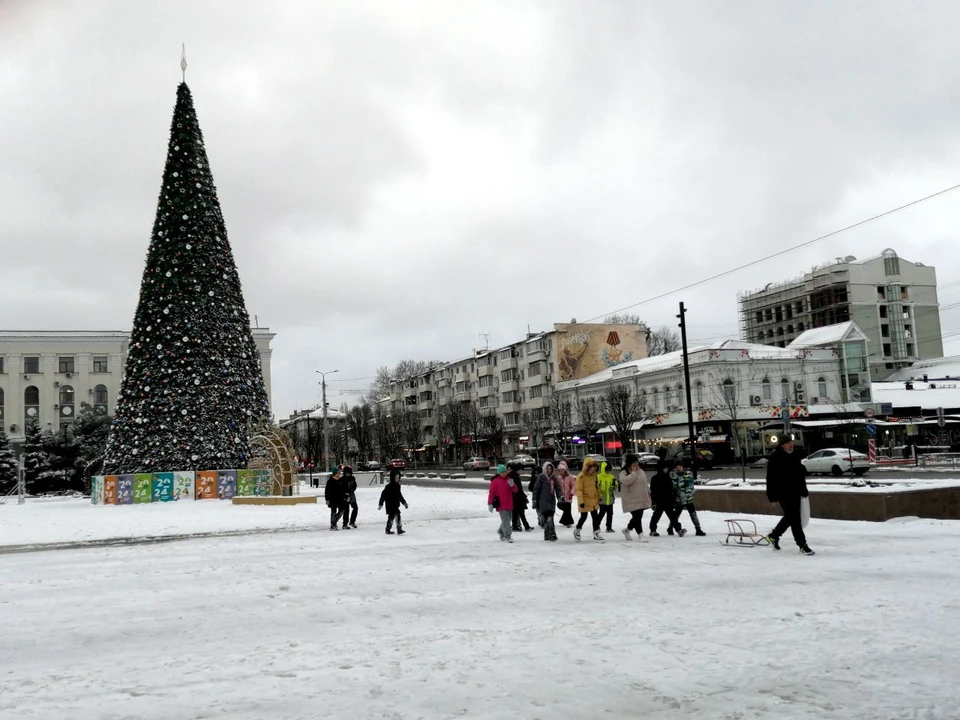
(109, 489)
(264, 483)
(125, 490)
(207, 485)
(246, 482)
(142, 485)
(162, 487)
(96, 490)
(226, 484)
(183, 482)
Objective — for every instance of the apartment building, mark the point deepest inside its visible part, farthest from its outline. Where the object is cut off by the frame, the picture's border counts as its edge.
(892, 300)
(515, 381)
(48, 375)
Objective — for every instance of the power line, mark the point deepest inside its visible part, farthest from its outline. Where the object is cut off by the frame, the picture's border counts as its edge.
(777, 254)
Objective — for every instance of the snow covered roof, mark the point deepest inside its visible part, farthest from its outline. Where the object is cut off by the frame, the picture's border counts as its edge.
(315, 414)
(946, 368)
(925, 395)
(40, 334)
(828, 335)
(671, 360)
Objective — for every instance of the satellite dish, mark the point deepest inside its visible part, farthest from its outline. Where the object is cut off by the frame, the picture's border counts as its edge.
(850, 259)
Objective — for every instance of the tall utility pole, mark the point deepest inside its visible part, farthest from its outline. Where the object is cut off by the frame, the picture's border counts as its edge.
(686, 383)
(326, 439)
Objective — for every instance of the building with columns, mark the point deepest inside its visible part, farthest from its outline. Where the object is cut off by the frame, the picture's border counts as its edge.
(50, 374)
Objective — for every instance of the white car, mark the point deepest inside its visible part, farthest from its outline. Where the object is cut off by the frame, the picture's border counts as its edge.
(836, 461)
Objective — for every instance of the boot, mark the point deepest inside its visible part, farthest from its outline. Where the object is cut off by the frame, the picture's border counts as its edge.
(389, 531)
(597, 536)
(701, 533)
(626, 534)
(576, 534)
(401, 531)
(654, 533)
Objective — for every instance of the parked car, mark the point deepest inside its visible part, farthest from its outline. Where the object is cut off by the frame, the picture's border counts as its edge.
(649, 461)
(397, 463)
(836, 461)
(477, 463)
(522, 462)
(574, 464)
(705, 459)
(368, 466)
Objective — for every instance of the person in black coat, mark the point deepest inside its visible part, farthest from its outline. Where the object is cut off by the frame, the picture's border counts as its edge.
(350, 493)
(520, 504)
(392, 497)
(787, 484)
(664, 501)
(334, 492)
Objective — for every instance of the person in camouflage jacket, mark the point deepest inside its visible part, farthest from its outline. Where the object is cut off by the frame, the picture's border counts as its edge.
(684, 489)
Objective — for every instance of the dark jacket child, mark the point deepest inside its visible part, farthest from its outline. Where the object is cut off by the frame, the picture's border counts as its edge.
(664, 501)
(392, 497)
(520, 503)
(334, 492)
(684, 489)
(350, 489)
(546, 488)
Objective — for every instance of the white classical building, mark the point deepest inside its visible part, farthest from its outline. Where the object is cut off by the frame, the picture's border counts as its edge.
(50, 374)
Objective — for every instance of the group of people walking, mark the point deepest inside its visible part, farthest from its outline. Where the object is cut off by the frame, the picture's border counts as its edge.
(340, 494)
(593, 493)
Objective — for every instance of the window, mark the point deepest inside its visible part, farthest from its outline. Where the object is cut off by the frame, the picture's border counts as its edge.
(789, 329)
(769, 333)
(780, 331)
(511, 397)
(667, 397)
(66, 395)
(656, 399)
(789, 309)
(784, 389)
(759, 316)
(681, 398)
(426, 414)
(910, 349)
(100, 395)
(766, 389)
(461, 387)
(799, 327)
(881, 292)
(1, 366)
(760, 338)
(729, 392)
(31, 365)
(486, 402)
(508, 375)
(822, 388)
(699, 389)
(65, 365)
(1, 403)
(486, 381)
(512, 418)
(891, 263)
(799, 307)
(884, 331)
(903, 293)
(883, 312)
(778, 314)
(100, 364)
(31, 404)
(886, 350)
(536, 369)
(537, 391)
(768, 315)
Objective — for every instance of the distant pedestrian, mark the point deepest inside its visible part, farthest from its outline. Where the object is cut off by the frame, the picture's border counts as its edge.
(392, 497)
(350, 482)
(588, 498)
(664, 501)
(520, 503)
(333, 493)
(608, 485)
(546, 489)
(568, 486)
(500, 498)
(787, 485)
(684, 488)
(635, 495)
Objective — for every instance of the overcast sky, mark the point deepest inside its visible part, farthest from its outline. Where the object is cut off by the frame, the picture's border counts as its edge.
(399, 177)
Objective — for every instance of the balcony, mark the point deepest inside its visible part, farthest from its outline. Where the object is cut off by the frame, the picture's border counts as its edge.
(486, 391)
(533, 380)
(509, 363)
(485, 370)
(534, 354)
(509, 407)
(534, 403)
(509, 385)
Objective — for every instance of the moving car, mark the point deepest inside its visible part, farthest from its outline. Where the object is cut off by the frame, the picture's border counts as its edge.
(397, 463)
(836, 461)
(522, 462)
(368, 466)
(477, 463)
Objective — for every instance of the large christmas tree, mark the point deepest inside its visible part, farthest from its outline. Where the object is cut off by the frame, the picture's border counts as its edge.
(193, 383)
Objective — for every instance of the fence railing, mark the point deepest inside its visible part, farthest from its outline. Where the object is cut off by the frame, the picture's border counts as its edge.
(939, 460)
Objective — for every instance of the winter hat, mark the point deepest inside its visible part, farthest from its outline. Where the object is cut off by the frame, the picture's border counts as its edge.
(783, 440)
(629, 460)
(501, 469)
(347, 470)
(563, 466)
(394, 473)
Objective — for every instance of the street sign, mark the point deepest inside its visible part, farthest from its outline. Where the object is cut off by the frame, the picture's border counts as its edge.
(868, 413)
(871, 429)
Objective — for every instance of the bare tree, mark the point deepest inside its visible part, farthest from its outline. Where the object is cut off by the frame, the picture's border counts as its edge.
(338, 446)
(588, 419)
(473, 421)
(663, 341)
(621, 409)
(404, 370)
(727, 394)
(494, 429)
(535, 424)
(623, 319)
(360, 427)
(453, 422)
(561, 419)
(411, 430)
(387, 434)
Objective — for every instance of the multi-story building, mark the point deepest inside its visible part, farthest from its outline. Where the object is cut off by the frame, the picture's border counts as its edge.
(892, 300)
(515, 382)
(50, 375)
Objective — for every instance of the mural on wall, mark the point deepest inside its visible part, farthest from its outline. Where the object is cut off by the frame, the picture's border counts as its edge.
(584, 349)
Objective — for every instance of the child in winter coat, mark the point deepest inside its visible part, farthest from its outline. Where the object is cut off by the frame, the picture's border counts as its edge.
(568, 486)
(588, 498)
(392, 497)
(545, 491)
(684, 489)
(664, 501)
(635, 495)
(500, 498)
(609, 486)
(519, 505)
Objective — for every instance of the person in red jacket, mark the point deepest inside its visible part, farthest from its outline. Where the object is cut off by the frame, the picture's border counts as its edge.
(500, 498)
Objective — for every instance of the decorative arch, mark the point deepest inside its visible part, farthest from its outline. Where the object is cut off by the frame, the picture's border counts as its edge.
(271, 449)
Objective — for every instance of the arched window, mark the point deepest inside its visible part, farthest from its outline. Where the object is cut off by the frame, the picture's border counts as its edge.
(66, 395)
(100, 395)
(667, 397)
(643, 400)
(784, 389)
(729, 391)
(789, 329)
(766, 389)
(822, 388)
(699, 389)
(769, 333)
(656, 399)
(31, 403)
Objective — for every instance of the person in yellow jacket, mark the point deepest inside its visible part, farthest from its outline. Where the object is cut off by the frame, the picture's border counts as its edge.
(588, 498)
(608, 485)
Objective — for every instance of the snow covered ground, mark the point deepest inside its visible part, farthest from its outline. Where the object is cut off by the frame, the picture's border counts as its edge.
(447, 622)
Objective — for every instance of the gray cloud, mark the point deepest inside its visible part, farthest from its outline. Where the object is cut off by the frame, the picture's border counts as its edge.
(399, 177)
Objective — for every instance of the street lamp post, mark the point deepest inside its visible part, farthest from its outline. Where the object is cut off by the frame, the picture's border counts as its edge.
(326, 440)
